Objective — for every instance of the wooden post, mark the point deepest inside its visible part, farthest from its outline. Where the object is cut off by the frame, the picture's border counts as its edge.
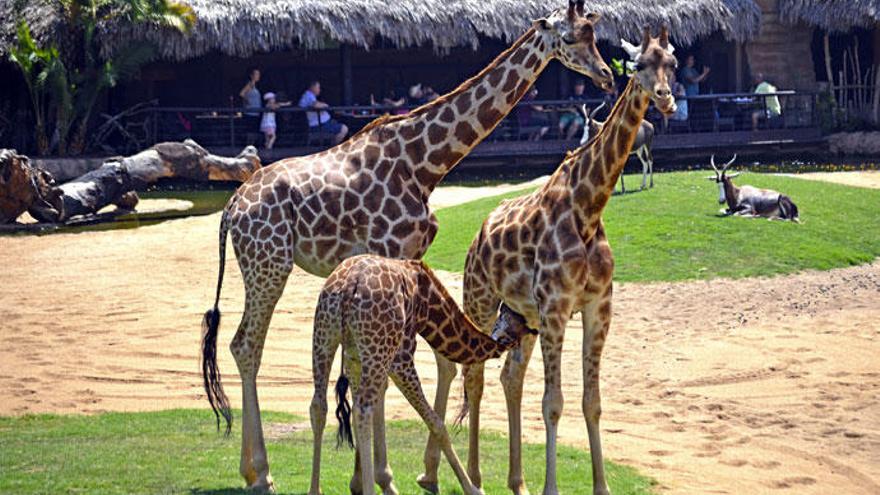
(738, 66)
(345, 63)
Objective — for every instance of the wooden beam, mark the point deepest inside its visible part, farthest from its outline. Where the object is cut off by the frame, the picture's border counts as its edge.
(345, 64)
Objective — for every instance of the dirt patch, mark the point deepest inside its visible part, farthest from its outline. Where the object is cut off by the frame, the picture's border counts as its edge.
(750, 386)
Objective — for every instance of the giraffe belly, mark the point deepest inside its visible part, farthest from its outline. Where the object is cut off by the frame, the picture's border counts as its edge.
(408, 238)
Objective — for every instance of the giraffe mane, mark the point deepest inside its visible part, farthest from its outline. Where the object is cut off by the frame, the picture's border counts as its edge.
(442, 100)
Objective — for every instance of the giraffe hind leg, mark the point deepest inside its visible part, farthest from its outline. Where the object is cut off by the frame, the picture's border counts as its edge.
(264, 284)
(325, 340)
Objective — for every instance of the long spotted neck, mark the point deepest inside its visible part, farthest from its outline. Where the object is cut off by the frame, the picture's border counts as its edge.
(449, 330)
(439, 134)
(596, 166)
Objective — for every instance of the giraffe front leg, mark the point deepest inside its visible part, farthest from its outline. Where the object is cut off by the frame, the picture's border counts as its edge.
(552, 332)
(596, 318)
(512, 376)
(405, 376)
(446, 372)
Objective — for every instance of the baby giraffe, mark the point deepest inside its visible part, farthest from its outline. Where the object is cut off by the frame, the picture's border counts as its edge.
(374, 307)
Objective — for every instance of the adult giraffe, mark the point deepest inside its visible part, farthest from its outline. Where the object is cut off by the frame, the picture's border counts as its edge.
(545, 255)
(368, 195)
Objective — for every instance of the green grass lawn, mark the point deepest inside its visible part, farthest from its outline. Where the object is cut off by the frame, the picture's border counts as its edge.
(673, 232)
(179, 451)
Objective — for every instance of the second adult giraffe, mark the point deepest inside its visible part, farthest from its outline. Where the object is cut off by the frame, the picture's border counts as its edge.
(368, 195)
(545, 255)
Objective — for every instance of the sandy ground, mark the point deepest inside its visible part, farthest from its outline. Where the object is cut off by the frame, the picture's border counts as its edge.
(750, 386)
(863, 178)
(446, 196)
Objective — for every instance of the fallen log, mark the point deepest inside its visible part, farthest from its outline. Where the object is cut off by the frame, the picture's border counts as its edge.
(109, 185)
(189, 160)
(26, 188)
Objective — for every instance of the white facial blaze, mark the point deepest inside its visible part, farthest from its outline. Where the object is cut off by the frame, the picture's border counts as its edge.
(721, 197)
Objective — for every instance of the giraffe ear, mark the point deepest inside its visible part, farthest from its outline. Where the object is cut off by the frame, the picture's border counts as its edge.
(542, 24)
(594, 17)
(532, 331)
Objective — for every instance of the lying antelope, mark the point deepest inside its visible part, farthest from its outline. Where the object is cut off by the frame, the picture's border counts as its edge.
(641, 146)
(750, 201)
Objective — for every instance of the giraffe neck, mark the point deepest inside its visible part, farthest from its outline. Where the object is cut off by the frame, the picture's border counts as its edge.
(449, 330)
(596, 166)
(439, 134)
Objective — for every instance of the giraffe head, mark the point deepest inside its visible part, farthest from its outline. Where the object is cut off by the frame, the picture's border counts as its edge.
(654, 62)
(510, 328)
(573, 39)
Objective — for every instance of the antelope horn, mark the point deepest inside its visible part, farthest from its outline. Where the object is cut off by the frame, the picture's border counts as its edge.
(729, 163)
(712, 162)
(596, 110)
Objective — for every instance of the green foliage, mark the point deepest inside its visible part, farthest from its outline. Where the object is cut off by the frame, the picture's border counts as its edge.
(179, 451)
(674, 231)
(70, 80)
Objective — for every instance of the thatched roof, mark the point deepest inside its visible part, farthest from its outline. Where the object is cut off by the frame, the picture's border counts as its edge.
(832, 15)
(244, 27)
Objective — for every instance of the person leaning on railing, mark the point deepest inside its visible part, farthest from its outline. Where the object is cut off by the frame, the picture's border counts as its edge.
(251, 101)
(321, 121)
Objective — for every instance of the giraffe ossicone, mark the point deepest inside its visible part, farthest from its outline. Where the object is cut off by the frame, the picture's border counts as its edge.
(368, 195)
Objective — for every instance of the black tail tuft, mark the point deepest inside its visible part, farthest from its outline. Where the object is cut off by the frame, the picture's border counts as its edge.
(788, 209)
(211, 373)
(210, 324)
(343, 413)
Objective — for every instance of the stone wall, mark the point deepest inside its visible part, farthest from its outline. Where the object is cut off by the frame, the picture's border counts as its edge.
(781, 51)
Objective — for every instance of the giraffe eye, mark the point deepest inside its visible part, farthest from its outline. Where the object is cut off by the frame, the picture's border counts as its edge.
(569, 39)
(640, 66)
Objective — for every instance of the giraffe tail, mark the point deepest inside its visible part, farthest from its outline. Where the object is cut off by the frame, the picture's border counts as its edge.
(210, 325)
(343, 409)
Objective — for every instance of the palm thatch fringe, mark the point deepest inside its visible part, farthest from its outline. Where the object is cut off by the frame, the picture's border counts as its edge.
(243, 27)
(832, 15)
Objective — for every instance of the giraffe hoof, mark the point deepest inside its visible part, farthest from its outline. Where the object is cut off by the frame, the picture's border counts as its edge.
(261, 488)
(428, 485)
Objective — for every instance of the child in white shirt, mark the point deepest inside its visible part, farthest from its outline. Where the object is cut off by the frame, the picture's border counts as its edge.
(267, 125)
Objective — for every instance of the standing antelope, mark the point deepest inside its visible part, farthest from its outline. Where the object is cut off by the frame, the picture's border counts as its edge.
(750, 201)
(641, 147)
